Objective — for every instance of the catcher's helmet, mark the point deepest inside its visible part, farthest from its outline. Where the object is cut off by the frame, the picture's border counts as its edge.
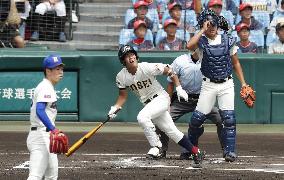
(215, 20)
(123, 50)
(209, 15)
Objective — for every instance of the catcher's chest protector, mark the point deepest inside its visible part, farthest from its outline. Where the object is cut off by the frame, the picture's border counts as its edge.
(216, 62)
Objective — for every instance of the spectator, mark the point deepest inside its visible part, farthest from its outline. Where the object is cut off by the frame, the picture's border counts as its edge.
(278, 15)
(278, 46)
(245, 46)
(152, 4)
(280, 10)
(186, 4)
(158, 5)
(218, 5)
(50, 5)
(141, 9)
(9, 23)
(175, 11)
(247, 18)
(139, 43)
(170, 42)
(24, 14)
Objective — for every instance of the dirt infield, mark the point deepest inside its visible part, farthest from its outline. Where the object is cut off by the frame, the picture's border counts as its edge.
(122, 156)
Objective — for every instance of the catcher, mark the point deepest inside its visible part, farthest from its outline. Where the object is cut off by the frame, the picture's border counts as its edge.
(45, 141)
(218, 55)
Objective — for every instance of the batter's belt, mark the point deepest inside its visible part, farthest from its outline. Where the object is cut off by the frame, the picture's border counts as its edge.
(38, 128)
(150, 99)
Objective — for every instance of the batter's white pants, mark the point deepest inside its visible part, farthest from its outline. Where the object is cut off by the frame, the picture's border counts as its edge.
(59, 7)
(156, 112)
(224, 92)
(42, 163)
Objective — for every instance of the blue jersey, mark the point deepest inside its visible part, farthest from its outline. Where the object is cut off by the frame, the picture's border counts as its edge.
(188, 73)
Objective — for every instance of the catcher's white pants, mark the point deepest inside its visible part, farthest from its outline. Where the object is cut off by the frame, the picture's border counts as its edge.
(42, 162)
(209, 91)
(59, 7)
(156, 112)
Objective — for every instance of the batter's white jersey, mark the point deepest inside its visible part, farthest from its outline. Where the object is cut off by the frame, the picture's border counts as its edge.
(144, 83)
(44, 92)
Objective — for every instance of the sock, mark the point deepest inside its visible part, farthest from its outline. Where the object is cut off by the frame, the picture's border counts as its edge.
(184, 142)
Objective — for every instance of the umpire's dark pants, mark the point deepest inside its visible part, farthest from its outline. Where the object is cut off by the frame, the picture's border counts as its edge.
(178, 109)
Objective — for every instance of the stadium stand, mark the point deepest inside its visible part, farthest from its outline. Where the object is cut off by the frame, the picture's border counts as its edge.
(228, 15)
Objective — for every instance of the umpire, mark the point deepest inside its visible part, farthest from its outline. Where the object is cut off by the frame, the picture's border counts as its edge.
(188, 71)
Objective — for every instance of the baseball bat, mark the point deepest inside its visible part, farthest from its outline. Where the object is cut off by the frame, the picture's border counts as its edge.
(86, 137)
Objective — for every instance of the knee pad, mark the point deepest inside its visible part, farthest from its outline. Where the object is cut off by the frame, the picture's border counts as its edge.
(197, 119)
(229, 130)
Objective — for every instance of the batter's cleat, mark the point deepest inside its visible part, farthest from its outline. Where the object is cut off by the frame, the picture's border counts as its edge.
(184, 156)
(164, 154)
(154, 153)
(230, 157)
(198, 158)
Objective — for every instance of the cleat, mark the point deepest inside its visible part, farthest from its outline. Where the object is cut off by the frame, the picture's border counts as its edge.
(198, 158)
(154, 153)
(230, 157)
(164, 154)
(184, 156)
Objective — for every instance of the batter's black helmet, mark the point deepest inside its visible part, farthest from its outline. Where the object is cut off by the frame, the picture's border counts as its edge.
(123, 50)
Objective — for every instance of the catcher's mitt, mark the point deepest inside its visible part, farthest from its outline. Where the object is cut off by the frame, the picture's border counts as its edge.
(58, 142)
(248, 95)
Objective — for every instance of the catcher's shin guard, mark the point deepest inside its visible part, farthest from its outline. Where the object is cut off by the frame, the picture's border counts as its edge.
(229, 130)
(195, 129)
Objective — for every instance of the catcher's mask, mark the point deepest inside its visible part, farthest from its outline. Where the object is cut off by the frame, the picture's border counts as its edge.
(123, 50)
(208, 15)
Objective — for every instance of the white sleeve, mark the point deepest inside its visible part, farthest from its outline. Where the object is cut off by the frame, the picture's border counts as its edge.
(155, 68)
(120, 82)
(234, 50)
(46, 95)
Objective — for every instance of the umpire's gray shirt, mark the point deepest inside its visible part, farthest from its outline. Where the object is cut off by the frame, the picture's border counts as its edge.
(189, 73)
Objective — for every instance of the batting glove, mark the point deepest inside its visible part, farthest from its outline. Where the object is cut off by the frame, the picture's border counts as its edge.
(181, 93)
(112, 112)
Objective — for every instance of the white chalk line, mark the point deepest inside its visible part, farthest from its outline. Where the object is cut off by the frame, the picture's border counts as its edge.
(25, 165)
(136, 160)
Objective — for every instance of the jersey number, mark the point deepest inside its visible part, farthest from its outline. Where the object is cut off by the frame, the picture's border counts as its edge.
(53, 105)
